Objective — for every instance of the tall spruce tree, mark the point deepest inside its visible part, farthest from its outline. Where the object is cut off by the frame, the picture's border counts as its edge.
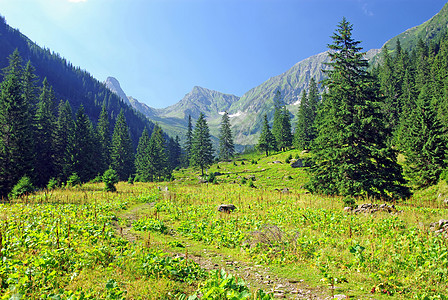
(281, 127)
(29, 85)
(45, 121)
(286, 136)
(189, 140)
(16, 134)
(63, 135)
(201, 148)
(302, 136)
(104, 140)
(82, 147)
(158, 155)
(267, 141)
(425, 145)
(142, 158)
(174, 152)
(350, 156)
(122, 155)
(226, 146)
(305, 128)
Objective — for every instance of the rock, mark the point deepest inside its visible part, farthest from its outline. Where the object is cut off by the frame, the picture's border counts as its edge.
(442, 223)
(348, 209)
(226, 208)
(279, 295)
(285, 191)
(297, 164)
(277, 162)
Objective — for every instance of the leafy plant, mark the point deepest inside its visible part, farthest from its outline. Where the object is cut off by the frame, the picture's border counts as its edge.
(74, 180)
(52, 184)
(110, 178)
(23, 187)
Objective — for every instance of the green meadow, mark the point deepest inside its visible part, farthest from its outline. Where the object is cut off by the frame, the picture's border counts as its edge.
(167, 240)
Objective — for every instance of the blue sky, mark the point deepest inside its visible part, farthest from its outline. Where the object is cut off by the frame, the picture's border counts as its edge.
(160, 49)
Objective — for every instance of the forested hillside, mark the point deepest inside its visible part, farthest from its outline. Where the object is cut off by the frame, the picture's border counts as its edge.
(70, 83)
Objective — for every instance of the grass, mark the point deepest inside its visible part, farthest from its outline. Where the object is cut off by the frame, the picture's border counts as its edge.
(78, 242)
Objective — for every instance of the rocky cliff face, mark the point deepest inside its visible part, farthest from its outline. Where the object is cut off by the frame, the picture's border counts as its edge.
(113, 85)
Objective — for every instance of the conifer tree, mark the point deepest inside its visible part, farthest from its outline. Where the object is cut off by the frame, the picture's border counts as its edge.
(29, 85)
(425, 145)
(189, 140)
(174, 152)
(226, 146)
(16, 135)
(267, 141)
(286, 134)
(104, 140)
(302, 136)
(45, 121)
(278, 117)
(82, 147)
(158, 155)
(122, 155)
(201, 148)
(350, 156)
(63, 135)
(142, 159)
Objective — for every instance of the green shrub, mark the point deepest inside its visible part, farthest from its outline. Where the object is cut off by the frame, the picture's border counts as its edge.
(137, 178)
(97, 179)
(251, 184)
(212, 178)
(243, 180)
(130, 179)
(22, 187)
(288, 159)
(444, 175)
(349, 201)
(74, 180)
(110, 178)
(52, 184)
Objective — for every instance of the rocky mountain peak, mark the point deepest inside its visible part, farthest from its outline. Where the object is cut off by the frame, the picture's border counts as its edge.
(113, 85)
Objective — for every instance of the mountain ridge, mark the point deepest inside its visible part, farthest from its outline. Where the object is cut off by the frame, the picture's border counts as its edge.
(246, 113)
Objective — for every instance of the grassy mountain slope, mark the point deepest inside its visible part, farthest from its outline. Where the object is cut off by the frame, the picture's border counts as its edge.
(431, 29)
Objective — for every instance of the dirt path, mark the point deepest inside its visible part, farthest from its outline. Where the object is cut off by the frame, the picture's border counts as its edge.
(256, 276)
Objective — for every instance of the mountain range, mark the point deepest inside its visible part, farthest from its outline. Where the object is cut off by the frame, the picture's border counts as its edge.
(246, 113)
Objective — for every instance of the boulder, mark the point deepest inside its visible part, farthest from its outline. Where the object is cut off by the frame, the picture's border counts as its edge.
(226, 208)
(297, 163)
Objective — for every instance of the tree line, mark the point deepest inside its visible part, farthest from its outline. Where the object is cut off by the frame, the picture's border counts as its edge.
(367, 115)
(45, 141)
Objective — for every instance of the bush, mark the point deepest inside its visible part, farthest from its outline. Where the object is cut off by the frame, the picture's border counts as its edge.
(110, 178)
(22, 187)
(444, 175)
(349, 201)
(74, 180)
(97, 179)
(52, 184)
(130, 179)
(243, 180)
(251, 184)
(212, 177)
(288, 159)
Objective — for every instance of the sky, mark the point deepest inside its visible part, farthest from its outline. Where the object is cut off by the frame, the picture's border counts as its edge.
(160, 49)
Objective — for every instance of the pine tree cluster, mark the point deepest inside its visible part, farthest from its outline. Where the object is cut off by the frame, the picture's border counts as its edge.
(45, 142)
